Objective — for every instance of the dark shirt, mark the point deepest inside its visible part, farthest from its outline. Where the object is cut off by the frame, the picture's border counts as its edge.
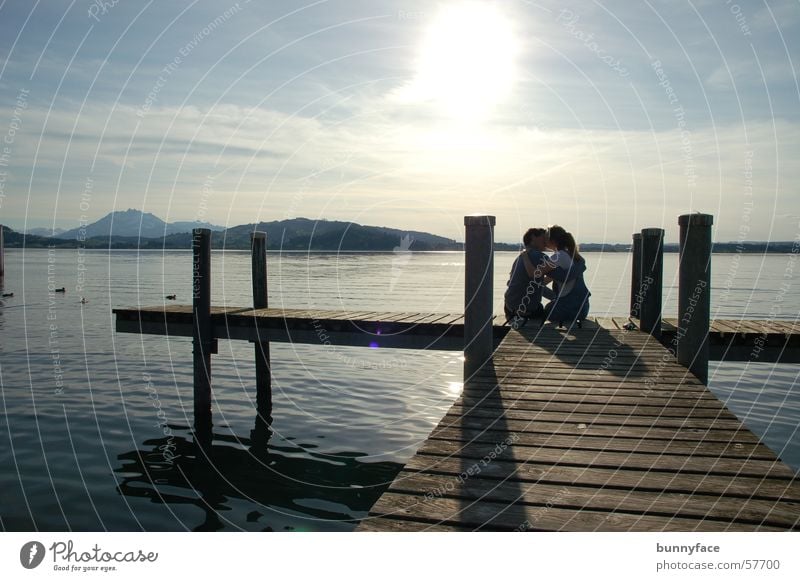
(524, 294)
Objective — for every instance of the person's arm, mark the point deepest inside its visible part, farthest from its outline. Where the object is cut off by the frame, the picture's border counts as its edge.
(536, 270)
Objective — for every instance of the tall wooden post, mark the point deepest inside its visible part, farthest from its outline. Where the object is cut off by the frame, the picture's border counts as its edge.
(636, 275)
(202, 339)
(258, 251)
(652, 272)
(694, 293)
(478, 292)
(2, 254)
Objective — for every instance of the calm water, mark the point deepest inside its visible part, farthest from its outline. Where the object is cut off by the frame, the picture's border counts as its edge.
(95, 425)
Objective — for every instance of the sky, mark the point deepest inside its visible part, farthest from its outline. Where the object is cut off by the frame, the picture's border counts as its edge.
(604, 117)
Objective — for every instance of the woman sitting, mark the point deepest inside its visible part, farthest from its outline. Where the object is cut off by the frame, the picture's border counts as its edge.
(570, 296)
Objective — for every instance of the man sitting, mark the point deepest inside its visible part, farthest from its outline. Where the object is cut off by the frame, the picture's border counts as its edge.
(523, 296)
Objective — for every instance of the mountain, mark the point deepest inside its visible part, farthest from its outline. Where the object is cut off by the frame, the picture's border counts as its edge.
(132, 223)
(46, 232)
(324, 235)
(306, 234)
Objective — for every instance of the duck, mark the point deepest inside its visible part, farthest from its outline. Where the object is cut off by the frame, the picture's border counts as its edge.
(61, 290)
(171, 297)
(83, 300)
(8, 295)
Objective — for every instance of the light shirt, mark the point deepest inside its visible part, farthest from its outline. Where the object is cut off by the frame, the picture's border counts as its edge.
(562, 259)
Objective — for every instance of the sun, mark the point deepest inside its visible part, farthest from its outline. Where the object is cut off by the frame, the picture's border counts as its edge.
(466, 60)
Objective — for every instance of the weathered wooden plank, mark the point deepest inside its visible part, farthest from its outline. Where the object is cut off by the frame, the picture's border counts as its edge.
(657, 400)
(755, 451)
(404, 317)
(724, 326)
(606, 323)
(645, 411)
(595, 385)
(557, 373)
(665, 504)
(782, 327)
(388, 524)
(688, 483)
(685, 385)
(490, 515)
(578, 428)
(433, 318)
(615, 460)
(605, 418)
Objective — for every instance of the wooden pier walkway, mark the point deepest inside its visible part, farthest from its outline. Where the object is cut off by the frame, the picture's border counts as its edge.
(730, 339)
(607, 427)
(594, 429)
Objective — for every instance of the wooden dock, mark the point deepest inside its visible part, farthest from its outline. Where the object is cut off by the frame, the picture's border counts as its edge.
(730, 339)
(607, 427)
(594, 429)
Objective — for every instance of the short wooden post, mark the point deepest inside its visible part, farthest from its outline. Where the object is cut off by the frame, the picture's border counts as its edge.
(636, 275)
(478, 292)
(202, 340)
(694, 293)
(258, 251)
(652, 270)
(2, 254)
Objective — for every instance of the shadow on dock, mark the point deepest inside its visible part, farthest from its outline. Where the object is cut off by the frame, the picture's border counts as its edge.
(576, 350)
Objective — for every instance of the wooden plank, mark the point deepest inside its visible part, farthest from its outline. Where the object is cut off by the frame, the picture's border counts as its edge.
(618, 431)
(583, 442)
(645, 411)
(605, 418)
(451, 319)
(620, 322)
(776, 490)
(389, 524)
(562, 373)
(433, 318)
(625, 398)
(606, 323)
(405, 317)
(724, 326)
(782, 327)
(490, 515)
(666, 504)
(669, 325)
(684, 464)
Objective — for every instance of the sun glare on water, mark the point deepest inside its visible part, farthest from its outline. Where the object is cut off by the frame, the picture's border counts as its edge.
(466, 60)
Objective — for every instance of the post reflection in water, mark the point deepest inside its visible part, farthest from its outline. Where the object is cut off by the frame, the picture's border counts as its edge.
(214, 470)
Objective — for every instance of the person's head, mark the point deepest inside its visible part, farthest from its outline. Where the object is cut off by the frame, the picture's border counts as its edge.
(560, 239)
(535, 238)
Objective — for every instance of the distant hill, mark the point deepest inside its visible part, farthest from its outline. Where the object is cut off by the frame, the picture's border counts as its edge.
(133, 223)
(324, 235)
(306, 234)
(47, 232)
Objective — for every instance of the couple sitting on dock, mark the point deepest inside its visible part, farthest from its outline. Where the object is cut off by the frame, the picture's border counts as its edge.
(558, 278)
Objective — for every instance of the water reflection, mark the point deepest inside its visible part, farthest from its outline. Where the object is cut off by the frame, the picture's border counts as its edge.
(328, 491)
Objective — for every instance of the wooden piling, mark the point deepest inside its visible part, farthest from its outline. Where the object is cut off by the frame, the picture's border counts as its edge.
(202, 339)
(636, 275)
(478, 292)
(652, 269)
(2, 254)
(694, 293)
(258, 251)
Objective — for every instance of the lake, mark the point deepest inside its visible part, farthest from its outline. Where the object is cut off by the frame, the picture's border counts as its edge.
(95, 432)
